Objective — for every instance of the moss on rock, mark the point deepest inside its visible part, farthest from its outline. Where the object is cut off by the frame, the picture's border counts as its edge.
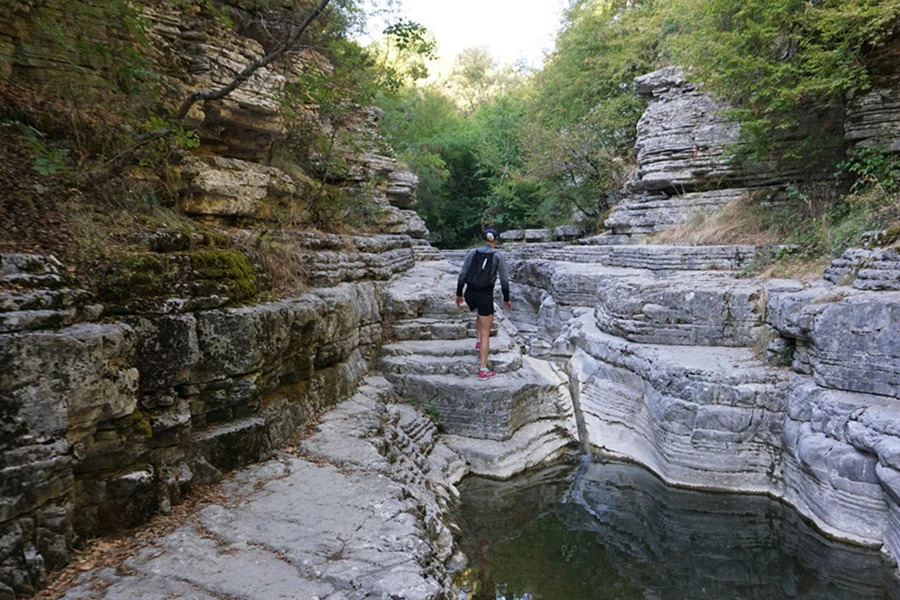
(229, 268)
(198, 273)
(139, 276)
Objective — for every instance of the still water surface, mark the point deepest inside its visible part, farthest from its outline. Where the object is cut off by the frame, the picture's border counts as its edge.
(614, 531)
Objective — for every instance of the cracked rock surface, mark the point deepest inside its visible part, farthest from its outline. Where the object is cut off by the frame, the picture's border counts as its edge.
(359, 524)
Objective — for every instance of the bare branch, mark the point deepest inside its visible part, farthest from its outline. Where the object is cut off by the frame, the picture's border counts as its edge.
(254, 66)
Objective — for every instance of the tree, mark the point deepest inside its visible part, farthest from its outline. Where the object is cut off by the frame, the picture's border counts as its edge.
(402, 55)
(477, 77)
(783, 65)
(584, 111)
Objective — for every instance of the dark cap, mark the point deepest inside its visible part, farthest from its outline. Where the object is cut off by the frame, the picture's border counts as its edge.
(491, 235)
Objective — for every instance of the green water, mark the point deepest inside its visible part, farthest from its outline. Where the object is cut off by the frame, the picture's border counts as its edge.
(614, 531)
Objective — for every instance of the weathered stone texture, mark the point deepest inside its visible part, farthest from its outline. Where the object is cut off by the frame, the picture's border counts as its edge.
(695, 310)
(221, 186)
(828, 473)
(876, 270)
(682, 139)
(846, 339)
(857, 345)
(654, 257)
(361, 514)
(35, 294)
(244, 124)
(650, 213)
(698, 416)
(113, 422)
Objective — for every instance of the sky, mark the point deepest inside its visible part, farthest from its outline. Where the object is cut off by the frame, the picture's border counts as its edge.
(511, 29)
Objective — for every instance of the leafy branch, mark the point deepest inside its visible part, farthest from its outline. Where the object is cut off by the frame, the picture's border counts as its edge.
(248, 71)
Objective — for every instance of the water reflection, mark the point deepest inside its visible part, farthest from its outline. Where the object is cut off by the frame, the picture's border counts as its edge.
(614, 531)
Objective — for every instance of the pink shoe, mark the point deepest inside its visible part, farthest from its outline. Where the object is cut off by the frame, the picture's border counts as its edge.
(485, 374)
(478, 345)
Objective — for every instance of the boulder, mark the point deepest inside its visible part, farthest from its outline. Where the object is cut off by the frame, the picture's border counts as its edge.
(229, 187)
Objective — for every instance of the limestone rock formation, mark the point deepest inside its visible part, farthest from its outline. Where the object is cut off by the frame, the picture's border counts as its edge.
(361, 514)
(871, 116)
(232, 187)
(684, 168)
(106, 423)
(655, 384)
(875, 270)
(518, 419)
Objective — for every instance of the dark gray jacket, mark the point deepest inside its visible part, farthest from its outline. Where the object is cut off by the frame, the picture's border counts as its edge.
(498, 267)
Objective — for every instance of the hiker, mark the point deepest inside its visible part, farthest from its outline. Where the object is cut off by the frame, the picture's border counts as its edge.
(479, 275)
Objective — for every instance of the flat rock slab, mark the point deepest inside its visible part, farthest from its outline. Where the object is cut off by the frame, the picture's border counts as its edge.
(698, 309)
(348, 526)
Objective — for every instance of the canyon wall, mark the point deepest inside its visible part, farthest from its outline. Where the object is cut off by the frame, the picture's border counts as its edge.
(714, 379)
(117, 401)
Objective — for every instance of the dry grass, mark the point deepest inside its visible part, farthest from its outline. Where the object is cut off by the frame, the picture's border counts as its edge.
(742, 221)
(802, 269)
(283, 263)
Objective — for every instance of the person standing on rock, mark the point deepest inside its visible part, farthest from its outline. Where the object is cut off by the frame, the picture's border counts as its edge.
(479, 276)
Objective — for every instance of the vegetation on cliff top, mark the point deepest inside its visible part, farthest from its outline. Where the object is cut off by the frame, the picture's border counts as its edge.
(558, 144)
(493, 145)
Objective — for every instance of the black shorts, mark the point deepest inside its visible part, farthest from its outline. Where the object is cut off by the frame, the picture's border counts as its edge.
(483, 301)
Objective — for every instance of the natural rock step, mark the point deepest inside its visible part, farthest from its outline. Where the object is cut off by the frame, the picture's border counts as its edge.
(425, 252)
(236, 444)
(532, 445)
(456, 257)
(492, 408)
(657, 257)
(431, 329)
(17, 281)
(453, 364)
(427, 290)
(449, 348)
(651, 213)
(876, 270)
(694, 309)
(45, 309)
(608, 238)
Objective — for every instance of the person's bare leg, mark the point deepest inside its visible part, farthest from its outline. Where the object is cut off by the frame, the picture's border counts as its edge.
(478, 328)
(483, 325)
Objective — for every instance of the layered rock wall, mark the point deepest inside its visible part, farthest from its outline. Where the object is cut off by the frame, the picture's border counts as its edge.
(675, 369)
(105, 423)
(685, 166)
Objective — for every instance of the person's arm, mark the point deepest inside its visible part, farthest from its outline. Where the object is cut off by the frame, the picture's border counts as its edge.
(504, 278)
(461, 280)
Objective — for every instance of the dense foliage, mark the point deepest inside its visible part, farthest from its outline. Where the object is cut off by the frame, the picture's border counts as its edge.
(492, 144)
(557, 145)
